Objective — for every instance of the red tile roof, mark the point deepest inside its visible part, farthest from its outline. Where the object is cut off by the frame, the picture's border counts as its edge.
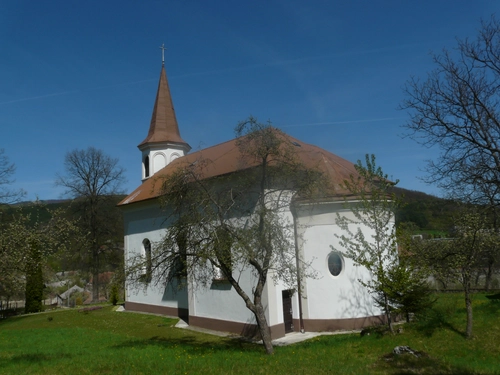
(225, 158)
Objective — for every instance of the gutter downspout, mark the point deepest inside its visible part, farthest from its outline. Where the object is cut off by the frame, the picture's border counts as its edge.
(297, 259)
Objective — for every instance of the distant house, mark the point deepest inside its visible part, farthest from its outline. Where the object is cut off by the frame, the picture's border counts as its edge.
(62, 299)
(333, 301)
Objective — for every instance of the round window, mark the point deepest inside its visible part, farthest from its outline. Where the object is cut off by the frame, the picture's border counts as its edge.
(335, 263)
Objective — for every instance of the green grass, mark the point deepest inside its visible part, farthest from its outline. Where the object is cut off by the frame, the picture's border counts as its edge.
(108, 342)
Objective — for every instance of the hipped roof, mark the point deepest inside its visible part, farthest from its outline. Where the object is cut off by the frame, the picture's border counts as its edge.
(225, 158)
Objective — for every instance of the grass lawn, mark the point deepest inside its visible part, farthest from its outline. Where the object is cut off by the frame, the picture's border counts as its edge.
(108, 342)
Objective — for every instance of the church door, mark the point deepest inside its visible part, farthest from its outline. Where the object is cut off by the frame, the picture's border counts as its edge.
(287, 310)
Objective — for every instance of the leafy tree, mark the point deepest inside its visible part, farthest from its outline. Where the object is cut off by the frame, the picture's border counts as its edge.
(92, 178)
(407, 287)
(457, 258)
(491, 254)
(25, 246)
(11, 263)
(394, 283)
(7, 169)
(234, 223)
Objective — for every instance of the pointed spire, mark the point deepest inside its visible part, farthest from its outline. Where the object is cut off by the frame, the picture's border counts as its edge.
(163, 127)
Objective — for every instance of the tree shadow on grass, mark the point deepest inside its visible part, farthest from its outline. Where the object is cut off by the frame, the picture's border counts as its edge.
(407, 364)
(13, 318)
(487, 310)
(435, 319)
(31, 359)
(193, 345)
(494, 297)
(438, 317)
(493, 305)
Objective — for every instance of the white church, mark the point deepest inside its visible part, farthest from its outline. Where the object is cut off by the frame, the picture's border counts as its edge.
(332, 300)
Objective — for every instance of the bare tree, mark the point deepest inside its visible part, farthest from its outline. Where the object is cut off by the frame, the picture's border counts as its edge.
(7, 170)
(92, 178)
(224, 226)
(456, 109)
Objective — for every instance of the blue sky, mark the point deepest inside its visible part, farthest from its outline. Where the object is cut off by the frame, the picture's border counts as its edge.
(78, 74)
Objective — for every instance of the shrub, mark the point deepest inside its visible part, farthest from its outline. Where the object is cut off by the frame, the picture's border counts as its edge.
(114, 295)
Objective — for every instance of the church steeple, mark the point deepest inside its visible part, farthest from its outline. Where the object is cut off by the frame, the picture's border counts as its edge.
(163, 142)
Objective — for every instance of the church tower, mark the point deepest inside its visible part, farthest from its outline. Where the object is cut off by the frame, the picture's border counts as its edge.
(163, 143)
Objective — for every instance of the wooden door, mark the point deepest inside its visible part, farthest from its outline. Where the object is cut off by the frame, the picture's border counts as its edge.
(287, 310)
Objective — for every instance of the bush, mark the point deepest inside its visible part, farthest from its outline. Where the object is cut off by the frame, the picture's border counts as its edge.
(34, 289)
(114, 295)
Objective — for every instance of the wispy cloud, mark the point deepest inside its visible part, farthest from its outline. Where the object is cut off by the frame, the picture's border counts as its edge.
(76, 91)
(343, 122)
(39, 97)
(282, 62)
(275, 63)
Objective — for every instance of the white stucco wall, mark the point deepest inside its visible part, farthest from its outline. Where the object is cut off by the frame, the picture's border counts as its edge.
(324, 297)
(328, 296)
(276, 286)
(219, 300)
(145, 221)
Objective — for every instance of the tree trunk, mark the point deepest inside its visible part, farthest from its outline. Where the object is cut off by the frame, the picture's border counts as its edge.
(387, 311)
(256, 308)
(95, 276)
(478, 275)
(468, 308)
(489, 274)
(264, 330)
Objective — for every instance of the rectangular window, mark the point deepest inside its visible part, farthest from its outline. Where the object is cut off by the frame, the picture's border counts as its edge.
(180, 262)
(223, 244)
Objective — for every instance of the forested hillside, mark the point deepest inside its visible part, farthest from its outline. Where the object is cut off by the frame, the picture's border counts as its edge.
(429, 213)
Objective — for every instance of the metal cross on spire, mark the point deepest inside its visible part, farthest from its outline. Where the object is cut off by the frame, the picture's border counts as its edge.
(163, 54)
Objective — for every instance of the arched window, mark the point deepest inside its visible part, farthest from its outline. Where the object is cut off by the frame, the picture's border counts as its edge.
(335, 263)
(148, 263)
(174, 156)
(159, 161)
(146, 167)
